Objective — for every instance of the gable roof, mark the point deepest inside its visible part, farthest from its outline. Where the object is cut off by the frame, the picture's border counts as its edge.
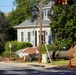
(49, 5)
(28, 23)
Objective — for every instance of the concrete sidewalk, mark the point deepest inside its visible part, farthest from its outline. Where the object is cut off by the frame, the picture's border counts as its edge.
(36, 64)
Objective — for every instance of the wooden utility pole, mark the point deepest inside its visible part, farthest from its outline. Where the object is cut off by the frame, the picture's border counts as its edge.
(40, 43)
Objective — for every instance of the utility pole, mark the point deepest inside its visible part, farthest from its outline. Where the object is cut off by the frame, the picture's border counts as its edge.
(40, 41)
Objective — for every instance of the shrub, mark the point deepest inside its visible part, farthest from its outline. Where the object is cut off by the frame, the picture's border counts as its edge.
(53, 47)
(6, 54)
(50, 47)
(16, 45)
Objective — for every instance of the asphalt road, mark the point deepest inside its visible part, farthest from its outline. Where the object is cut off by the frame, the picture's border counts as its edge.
(23, 69)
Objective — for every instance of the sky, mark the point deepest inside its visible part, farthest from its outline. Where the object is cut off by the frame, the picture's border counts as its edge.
(6, 5)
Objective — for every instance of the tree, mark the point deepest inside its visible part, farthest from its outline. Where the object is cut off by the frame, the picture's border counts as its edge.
(24, 10)
(3, 30)
(64, 25)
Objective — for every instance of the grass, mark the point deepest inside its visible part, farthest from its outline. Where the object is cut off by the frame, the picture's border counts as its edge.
(63, 62)
(60, 62)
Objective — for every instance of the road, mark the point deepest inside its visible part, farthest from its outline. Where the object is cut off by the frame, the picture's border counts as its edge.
(23, 69)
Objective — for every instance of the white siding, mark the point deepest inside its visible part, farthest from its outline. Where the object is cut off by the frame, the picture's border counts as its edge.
(32, 34)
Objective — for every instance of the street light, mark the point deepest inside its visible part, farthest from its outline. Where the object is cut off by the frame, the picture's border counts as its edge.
(10, 46)
(40, 43)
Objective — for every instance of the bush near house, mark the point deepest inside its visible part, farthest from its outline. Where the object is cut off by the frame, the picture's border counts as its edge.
(15, 46)
(50, 47)
(5, 54)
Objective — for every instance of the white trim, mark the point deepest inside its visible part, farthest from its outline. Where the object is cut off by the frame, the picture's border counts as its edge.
(46, 8)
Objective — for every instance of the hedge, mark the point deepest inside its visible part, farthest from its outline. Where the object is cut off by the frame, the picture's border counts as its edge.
(16, 45)
(50, 47)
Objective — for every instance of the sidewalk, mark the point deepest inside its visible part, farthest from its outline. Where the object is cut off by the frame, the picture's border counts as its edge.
(36, 64)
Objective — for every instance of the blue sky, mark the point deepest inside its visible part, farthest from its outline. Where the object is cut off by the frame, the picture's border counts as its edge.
(6, 5)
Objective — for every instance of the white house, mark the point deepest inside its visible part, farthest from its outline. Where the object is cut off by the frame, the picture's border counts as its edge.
(29, 31)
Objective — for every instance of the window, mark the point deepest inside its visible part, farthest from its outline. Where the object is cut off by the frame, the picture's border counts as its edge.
(44, 36)
(28, 36)
(22, 36)
(48, 13)
(35, 38)
(45, 14)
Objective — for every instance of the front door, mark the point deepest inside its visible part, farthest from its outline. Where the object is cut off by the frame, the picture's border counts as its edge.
(35, 38)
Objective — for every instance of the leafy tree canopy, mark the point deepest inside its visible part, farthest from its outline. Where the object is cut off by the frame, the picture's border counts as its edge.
(23, 11)
(64, 25)
(3, 30)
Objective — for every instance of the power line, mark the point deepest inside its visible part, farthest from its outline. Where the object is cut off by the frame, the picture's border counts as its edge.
(8, 6)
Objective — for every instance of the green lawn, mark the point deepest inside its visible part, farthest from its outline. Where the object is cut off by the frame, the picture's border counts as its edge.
(60, 62)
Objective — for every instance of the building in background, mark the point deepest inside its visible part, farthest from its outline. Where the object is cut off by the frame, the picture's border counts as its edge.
(6, 13)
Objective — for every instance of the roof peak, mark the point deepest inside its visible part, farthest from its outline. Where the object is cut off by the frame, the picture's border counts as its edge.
(49, 4)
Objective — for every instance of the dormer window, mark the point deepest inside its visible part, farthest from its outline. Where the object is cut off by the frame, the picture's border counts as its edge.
(45, 14)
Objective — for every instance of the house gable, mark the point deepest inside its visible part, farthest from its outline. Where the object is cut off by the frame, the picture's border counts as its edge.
(36, 23)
